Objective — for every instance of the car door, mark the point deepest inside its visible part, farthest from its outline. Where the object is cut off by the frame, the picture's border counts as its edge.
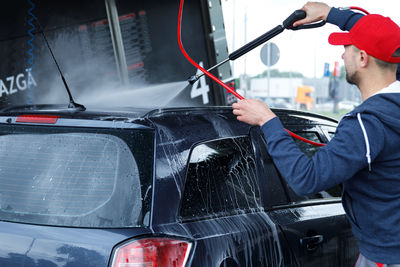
(315, 227)
(221, 208)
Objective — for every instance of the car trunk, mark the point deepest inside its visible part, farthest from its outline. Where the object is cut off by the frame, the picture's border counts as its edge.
(71, 189)
(36, 245)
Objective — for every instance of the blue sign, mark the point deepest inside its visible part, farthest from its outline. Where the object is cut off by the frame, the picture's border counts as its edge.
(326, 70)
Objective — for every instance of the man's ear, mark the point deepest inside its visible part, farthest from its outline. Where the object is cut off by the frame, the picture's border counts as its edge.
(363, 59)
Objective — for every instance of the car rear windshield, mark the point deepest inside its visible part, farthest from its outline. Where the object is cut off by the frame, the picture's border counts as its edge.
(83, 177)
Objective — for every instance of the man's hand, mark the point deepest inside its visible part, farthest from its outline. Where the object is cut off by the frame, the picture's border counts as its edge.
(251, 111)
(315, 11)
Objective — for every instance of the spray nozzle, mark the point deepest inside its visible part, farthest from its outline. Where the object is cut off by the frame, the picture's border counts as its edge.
(193, 79)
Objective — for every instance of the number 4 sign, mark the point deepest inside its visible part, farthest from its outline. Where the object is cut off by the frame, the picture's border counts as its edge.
(200, 88)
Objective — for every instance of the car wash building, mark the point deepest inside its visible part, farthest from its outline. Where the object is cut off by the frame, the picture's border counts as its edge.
(112, 50)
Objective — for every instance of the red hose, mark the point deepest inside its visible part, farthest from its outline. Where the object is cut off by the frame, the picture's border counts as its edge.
(218, 80)
(298, 137)
(361, 9)
(194, 63)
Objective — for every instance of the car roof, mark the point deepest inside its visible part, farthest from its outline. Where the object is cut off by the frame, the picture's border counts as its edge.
(137, 115)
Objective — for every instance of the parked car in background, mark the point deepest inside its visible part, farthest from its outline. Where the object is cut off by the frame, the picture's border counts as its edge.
(348, 105)
(164, 187)
(279, 102)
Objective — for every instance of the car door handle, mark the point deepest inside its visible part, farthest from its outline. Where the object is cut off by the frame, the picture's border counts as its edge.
(311, 242)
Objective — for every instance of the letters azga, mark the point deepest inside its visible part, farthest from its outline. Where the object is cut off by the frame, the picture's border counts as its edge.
(20, 82)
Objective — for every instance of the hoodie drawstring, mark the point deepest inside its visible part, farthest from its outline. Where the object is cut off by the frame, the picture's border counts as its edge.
(368, 155)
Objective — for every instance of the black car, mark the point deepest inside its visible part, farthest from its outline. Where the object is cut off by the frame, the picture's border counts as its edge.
(165, 187)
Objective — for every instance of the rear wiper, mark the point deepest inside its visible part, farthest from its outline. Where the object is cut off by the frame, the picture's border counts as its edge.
(72, 104)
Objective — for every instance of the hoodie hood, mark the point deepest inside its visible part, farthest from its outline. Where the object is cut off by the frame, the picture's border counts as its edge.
(382, 105)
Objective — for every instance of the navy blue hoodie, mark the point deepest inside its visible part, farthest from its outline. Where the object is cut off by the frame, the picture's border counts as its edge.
(364, 155)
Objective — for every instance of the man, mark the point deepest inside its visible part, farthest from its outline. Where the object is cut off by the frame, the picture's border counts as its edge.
(364, 154)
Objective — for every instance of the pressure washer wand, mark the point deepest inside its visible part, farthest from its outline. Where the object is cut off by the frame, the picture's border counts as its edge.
(287, 24)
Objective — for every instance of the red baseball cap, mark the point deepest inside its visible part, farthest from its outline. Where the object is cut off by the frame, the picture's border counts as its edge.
(377, 35)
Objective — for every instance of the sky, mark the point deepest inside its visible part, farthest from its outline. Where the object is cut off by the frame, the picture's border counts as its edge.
(304, 51)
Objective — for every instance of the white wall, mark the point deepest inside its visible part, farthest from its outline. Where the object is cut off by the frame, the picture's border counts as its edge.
(279, 87)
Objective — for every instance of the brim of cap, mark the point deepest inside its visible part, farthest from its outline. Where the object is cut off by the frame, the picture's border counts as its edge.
(340, 38)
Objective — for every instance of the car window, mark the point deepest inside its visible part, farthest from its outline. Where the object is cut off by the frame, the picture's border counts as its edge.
(273, 189)
(310, 150)
(329, 131)
(221, 179)
(74, 177)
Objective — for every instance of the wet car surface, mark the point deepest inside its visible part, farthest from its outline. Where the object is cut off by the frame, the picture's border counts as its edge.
(174, 187)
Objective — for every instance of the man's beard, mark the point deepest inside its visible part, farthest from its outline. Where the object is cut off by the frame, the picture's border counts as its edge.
(352, 78)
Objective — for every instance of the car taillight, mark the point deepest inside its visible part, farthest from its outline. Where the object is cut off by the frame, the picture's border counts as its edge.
(152, 252)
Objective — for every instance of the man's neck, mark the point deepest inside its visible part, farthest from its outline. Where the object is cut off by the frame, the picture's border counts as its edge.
(373, 83)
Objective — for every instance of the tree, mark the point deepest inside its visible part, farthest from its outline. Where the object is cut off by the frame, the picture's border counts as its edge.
(276, 73)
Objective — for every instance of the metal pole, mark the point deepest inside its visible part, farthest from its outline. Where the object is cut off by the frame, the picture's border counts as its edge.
(233, 35)
(268, 68)
(116, 38)
(314, 98)
(245, 40)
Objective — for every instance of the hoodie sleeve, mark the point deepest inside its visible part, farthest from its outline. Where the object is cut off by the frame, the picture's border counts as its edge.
(334, 163)
(344, 19)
